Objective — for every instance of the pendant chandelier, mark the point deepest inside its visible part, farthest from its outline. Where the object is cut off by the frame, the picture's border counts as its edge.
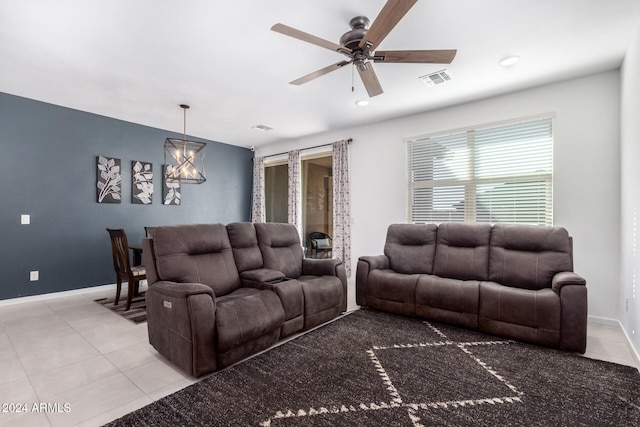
(184, 159)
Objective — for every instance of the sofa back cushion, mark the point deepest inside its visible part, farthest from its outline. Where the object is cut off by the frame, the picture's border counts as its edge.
(243, 239)
(280, 248)
(411, 247)
(196, 253)
(462, 251)
(528, 256)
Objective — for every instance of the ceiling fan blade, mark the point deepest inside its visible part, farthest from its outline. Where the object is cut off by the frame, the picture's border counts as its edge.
(389, 16)
(319, 73)
(416, 56)
(309, 38)
(369, 78)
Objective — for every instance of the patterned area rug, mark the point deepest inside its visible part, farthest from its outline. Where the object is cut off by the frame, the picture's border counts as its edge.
(377, 369)
(137, 313)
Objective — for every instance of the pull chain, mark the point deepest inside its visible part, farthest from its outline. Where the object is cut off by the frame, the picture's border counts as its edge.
(353, 68)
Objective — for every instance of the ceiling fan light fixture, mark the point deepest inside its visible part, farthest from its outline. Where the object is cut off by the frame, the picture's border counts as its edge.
(509, 61)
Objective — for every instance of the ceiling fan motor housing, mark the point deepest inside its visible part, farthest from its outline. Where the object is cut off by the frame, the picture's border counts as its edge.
(359, 26)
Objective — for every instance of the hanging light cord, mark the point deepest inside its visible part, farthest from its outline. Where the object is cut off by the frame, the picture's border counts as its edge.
(184, 107)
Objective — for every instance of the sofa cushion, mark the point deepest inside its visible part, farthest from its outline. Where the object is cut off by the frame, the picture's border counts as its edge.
(196, 253)
(528, 256)
(322, 299)
(411, 247)
(462, 251)
(242, 236)
(392, 291)
(280, 248)
(245, 315)
(536, 309)
(528, 315)
(448, 300)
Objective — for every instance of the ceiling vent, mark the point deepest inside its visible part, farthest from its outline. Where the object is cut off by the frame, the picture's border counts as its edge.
(262, 128)
(436, 78)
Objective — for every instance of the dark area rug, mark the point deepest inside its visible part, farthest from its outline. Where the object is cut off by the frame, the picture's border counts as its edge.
(137, 313)
(377, 369)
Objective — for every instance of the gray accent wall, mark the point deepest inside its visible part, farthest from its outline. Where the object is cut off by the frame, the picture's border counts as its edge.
(48, 171)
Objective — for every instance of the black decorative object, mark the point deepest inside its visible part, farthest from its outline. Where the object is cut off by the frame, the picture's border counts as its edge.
(108, 180)
(378, 369)
(171, 189)
(141, 183)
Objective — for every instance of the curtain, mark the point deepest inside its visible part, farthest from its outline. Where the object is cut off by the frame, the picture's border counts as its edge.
(295, 191)
(341, 204)
(257, 204)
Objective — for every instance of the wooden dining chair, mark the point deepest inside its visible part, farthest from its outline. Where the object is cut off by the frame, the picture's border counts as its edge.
(124, 270)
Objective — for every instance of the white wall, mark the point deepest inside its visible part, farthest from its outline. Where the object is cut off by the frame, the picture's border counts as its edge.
(630, 215)
(586, 169)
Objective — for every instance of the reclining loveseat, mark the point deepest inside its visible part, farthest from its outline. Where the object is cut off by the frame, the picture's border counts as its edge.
(515, 281)
(218, 294)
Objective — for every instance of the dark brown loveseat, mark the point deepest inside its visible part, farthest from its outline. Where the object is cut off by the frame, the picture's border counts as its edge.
(218, 294)
(509, 280)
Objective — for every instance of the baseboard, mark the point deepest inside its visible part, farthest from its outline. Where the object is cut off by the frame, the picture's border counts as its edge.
(44, 297)
(616, 324)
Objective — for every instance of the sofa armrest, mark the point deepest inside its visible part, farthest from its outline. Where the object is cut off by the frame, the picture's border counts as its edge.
(375, 262)
(181, 290)
(320, 267)
(566, 278)
(181, 319)
(572, 290)
(365, 265)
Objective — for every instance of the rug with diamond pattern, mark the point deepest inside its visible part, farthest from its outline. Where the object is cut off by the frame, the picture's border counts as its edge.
(375, 369)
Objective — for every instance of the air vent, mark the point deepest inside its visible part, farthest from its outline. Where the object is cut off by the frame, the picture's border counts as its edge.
(437, 78)
(262, 128)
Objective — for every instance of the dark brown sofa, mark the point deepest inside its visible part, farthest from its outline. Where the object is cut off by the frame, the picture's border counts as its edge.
(218, 294)
(515, 281)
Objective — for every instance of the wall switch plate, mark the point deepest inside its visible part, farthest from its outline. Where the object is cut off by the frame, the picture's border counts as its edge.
(34, 275)
(25, 219)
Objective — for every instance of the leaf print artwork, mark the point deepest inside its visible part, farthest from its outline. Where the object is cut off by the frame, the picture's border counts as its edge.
(170, 188)
(141, 182)
(109, 180)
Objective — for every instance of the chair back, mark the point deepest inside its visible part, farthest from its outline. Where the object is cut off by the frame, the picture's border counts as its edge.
(120, 251)
(196, 253)
(319, 239)
(280, 247)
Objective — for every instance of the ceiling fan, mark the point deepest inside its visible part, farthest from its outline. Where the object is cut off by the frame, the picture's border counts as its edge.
(359, 45)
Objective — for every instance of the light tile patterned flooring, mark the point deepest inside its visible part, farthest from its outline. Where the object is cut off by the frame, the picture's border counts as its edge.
(92, 366)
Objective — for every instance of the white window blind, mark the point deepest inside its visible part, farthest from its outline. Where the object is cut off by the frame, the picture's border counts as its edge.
(499, 173)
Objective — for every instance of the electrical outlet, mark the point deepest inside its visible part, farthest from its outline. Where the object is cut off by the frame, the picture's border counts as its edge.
(25, 219)
(34, 276)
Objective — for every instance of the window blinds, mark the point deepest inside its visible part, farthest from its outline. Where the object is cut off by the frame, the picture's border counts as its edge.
(500, 173)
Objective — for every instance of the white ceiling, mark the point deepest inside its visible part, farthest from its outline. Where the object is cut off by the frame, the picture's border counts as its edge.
(137, 60)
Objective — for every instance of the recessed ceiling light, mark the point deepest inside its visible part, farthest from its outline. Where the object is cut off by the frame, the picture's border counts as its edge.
(362, 102)
(262, 128)
(508, 61)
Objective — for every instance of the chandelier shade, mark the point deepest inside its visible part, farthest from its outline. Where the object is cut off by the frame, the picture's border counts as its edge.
(184, 159)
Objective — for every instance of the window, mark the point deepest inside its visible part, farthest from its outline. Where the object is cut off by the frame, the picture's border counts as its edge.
(316, 172)
(500, 173)
(276, 181)
(317, 196)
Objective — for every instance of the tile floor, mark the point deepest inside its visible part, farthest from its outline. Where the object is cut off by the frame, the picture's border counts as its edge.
(92, 366)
